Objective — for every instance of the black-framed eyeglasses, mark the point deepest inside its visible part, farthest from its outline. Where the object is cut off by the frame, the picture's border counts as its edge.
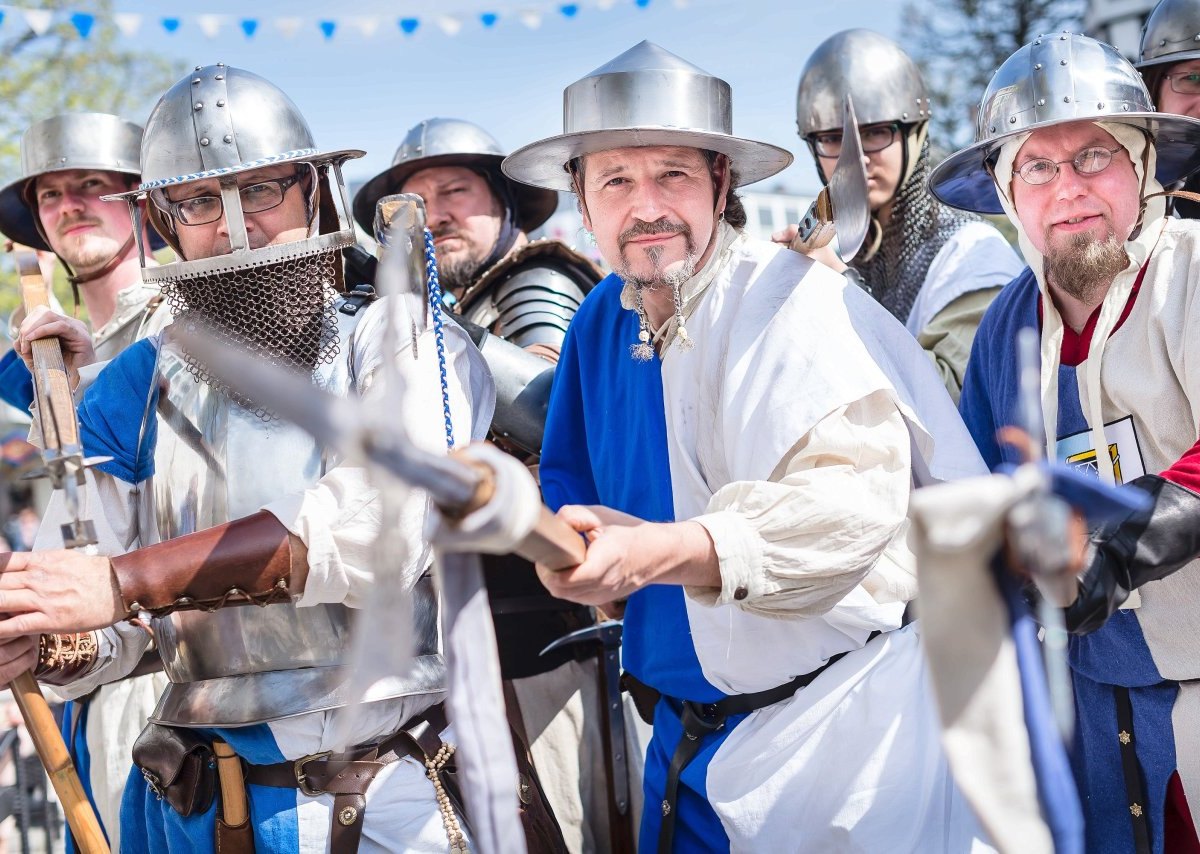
(874, 138)
(1041, 170)
(256, 198)
(1185, 82)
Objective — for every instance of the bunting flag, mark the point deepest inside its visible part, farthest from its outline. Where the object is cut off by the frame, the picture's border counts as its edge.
(449, 22)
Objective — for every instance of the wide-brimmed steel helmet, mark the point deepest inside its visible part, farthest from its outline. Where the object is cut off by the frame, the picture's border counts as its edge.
(883, 80)
(1171, 34)
(452, 142)
(219, 122)
(90, 141)
(1053, 80)
(647, 96)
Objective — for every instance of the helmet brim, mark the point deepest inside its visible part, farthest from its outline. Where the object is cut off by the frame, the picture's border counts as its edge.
(544, 163)
(963, 180)
(535, 205)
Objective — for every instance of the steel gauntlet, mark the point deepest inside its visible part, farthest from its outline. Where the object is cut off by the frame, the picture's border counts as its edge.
(1148, 546)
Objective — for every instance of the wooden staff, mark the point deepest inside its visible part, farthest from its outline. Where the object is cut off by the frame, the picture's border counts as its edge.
(60, 438)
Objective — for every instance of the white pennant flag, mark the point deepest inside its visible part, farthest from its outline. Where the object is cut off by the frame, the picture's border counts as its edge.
(530, 18)
(367, 26)
(210, 25)
(604, 5)
(681, 4)
(289, 26)
(39, 20)
(449, 26)
(128, 23)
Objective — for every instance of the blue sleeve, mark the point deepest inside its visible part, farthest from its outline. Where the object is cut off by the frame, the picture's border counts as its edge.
(974, 405)
(16, 383)
(565, 468)
(111, 413)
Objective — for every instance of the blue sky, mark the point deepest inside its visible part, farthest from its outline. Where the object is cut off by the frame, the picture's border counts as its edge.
(365, 92)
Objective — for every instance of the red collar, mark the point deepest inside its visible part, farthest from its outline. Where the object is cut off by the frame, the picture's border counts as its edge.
(1075, 345)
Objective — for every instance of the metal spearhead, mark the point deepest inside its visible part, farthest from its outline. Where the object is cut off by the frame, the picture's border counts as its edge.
(841, 208)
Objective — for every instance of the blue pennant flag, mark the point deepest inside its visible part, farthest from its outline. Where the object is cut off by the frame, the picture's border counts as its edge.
(83, 23)
(488, 19)
(1, 16)
(327, 27)
(170, 24)
(249, 25)
(409, 25)
(641, 4)
(569, 11)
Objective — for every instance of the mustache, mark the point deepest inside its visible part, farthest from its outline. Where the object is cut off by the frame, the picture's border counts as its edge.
(68, 224)
(659, 226)
(447, 231)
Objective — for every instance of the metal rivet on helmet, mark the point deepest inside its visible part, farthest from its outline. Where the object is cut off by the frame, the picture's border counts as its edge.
(1037, 67)
(228, 137)
(198, 106)
(204, 141)
(195, 81)
(220, 102)
(1062, 62)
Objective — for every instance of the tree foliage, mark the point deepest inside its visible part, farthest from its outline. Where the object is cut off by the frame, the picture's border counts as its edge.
(59, 72)
(959, 44)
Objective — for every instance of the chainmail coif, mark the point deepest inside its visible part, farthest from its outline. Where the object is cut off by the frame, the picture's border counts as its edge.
(919, 228)
(281, 311)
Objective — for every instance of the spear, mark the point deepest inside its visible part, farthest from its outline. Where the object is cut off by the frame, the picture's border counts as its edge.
(62, 455)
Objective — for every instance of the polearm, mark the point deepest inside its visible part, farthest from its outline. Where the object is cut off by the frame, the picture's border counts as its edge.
(63, 457)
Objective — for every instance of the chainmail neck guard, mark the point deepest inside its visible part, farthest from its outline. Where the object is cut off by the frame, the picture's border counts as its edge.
(280, 309)
(919, 228)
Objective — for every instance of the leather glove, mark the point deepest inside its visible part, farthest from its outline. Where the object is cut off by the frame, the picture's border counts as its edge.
(1146, 547)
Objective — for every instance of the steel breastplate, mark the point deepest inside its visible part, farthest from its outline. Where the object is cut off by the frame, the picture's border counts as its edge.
(214, 462)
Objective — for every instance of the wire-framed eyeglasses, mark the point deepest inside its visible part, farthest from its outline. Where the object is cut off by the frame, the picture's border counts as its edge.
(1089, 161)
(874, 138)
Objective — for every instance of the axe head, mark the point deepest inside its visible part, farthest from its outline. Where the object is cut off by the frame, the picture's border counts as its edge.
(848, 188)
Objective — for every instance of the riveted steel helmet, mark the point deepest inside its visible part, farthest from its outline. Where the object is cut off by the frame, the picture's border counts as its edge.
(219, 122)
(1171, 33)
(92, 141)
(452, 142)
(884, 82)
(1053, 80)
(647, 96)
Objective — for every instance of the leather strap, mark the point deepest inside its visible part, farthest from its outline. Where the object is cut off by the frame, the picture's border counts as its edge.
(701, 719)
(1135, 792)
(247, 561)
(347, 776)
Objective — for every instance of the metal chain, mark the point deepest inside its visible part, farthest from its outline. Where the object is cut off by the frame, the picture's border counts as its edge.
(435, 308)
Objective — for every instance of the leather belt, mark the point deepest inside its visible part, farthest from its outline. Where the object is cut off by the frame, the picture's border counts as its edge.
(701, 719)
(347, 776)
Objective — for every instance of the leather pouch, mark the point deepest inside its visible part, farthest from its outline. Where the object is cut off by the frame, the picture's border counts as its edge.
(177, 765)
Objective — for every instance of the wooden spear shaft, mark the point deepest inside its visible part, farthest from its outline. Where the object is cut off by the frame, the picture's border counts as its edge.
(56, 410)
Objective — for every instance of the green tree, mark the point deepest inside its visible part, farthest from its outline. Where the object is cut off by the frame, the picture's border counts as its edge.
(959, 44)
(59, 72)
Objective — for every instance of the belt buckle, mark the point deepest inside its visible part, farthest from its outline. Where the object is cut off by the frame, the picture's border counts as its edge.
(153, 783)
(301, 777)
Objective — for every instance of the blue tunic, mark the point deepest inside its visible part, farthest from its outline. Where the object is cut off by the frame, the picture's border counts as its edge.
(110, 417)
(16, 383)
(606, 443)
(1115, 655)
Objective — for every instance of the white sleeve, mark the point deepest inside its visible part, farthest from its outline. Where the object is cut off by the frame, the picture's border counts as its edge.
(339, 518)
(797, 544)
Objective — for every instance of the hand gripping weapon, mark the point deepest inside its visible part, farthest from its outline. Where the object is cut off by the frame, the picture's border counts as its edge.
(841, 208)
(372, 434)
(64, 465)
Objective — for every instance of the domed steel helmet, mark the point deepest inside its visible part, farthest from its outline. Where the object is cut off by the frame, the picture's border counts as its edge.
(646, 96)
(1053, 80)
(452, 142)
(884, 82)
(1171, 34)
(219, 122)
(93, 141)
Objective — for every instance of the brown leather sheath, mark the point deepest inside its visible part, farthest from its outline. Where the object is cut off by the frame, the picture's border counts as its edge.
(247, 561)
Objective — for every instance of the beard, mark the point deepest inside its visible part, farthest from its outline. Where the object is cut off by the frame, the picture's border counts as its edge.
(659, 276)
(1085, 267)
(89, 251)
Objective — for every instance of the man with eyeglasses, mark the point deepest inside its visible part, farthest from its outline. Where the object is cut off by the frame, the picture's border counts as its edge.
(1169, 60)
(1077, 159)
(240, 542)
(933, 268)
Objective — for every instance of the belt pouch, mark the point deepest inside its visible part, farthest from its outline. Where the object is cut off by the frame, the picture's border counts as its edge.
(178, 765)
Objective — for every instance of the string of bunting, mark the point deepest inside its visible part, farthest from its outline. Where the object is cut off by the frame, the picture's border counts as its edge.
(130, 24)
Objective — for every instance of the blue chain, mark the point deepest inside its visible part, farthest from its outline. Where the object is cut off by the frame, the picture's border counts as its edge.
(435, 308)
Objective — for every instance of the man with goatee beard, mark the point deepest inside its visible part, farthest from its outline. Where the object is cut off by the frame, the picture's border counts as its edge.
(1078, 159)
(68, 163)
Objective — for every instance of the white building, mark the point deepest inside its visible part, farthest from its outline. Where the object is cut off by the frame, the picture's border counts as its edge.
(1118, 22)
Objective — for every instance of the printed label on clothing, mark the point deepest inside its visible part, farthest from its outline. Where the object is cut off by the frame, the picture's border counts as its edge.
(1077, 451)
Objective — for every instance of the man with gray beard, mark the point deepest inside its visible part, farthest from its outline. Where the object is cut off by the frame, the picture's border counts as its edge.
(1078, 160)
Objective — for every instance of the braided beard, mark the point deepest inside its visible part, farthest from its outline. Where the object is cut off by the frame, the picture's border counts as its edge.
(919, 227)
